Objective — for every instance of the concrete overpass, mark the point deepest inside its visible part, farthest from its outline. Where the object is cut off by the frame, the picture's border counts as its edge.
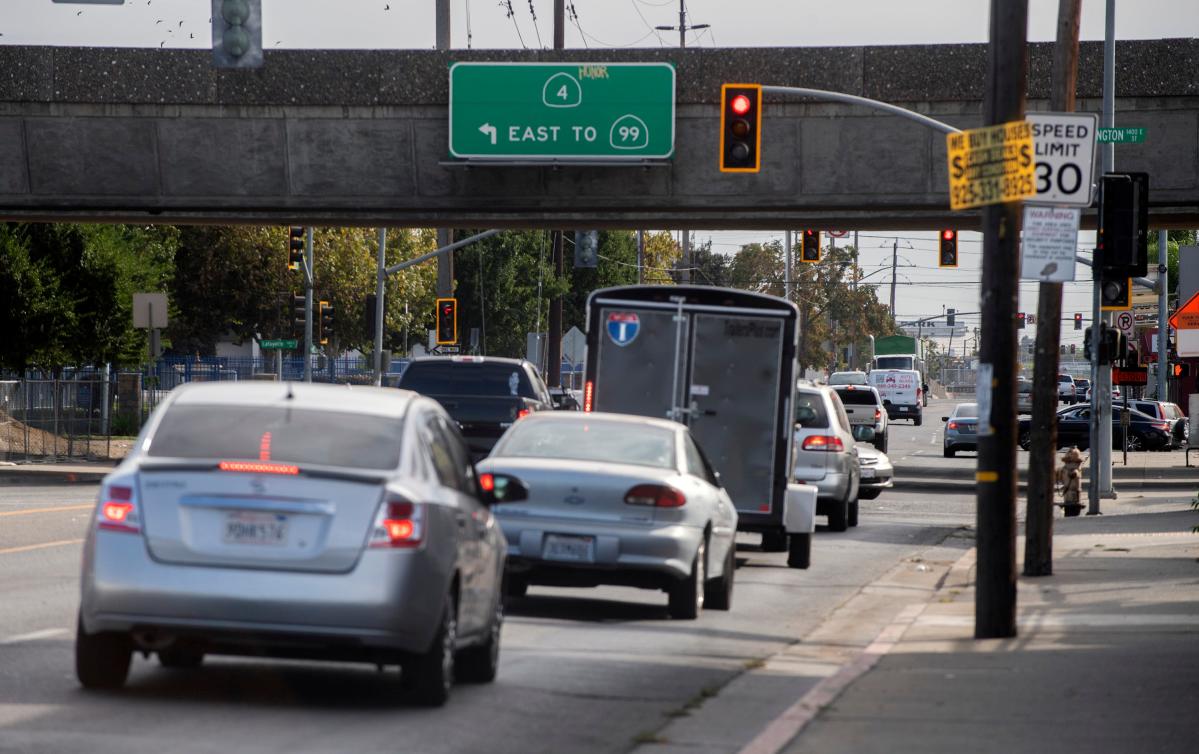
(359, 137)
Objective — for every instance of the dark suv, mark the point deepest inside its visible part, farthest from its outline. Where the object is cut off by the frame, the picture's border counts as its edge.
(484, 395)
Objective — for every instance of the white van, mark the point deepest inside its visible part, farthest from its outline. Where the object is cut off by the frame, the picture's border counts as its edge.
(902, 393)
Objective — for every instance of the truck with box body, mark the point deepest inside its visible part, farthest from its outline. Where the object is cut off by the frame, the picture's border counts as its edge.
(721, 361)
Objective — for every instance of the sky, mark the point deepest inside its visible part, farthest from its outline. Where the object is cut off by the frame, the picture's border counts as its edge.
(922, 290)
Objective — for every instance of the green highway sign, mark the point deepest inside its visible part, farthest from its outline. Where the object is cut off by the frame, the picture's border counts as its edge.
(561, 111)
(279, 344)
(1126, 135)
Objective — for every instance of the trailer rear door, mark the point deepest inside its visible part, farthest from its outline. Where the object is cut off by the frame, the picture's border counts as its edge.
(636, 353)
(734, 396)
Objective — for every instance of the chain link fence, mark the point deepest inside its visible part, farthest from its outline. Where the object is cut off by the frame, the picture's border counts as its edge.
(48, 420)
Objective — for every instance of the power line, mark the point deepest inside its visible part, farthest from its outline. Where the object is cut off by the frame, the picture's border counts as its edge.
(574, 16)
(648, 25)
(533, 13)
(512, 15)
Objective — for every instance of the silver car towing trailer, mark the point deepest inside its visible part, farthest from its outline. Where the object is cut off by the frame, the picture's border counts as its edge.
(721, 361)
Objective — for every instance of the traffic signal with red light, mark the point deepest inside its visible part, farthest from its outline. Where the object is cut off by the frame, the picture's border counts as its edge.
(295, 248)
(740, 128)
(949, 249)
(447, 321)
(1077, 320)
(1180, 370)
(810, 246)
(1020, 320)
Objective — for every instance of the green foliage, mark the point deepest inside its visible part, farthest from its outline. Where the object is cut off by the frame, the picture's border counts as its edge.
(1176, 239)
(68, 291)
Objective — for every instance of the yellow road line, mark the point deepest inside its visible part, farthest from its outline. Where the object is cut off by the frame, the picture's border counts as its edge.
(27, 511)
(42, 546)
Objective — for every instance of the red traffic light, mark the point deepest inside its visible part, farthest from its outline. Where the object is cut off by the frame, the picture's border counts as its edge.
(740, 104)
(948, 234)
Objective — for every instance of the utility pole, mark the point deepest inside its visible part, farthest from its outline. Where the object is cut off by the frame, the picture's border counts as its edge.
(445, 236)
(894, 258)
(1100, 483)
(553, 346)
(995, 593)
(1038, 527)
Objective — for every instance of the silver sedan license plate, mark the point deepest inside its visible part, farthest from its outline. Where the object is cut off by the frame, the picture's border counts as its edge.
(868, 473)
(569, 548)
(247, 528)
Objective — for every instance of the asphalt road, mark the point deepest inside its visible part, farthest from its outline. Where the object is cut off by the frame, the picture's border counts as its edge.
(593, 670)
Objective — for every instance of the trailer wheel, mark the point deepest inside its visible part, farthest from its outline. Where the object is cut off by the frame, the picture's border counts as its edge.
(774, 541)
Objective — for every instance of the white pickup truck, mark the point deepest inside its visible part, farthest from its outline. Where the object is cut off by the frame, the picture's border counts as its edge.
(863, 405)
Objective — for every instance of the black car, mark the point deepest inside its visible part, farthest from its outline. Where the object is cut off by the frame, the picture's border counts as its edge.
(1074, 429)
(484, 395)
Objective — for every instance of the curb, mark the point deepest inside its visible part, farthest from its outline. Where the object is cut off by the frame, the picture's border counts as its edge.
(964, 485)
(26, 476)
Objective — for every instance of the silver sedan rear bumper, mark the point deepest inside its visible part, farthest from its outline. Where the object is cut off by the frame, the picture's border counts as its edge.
(391, 599)
(666, 549)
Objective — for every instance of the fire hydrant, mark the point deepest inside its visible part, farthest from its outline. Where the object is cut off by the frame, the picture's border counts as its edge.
(1069, 479)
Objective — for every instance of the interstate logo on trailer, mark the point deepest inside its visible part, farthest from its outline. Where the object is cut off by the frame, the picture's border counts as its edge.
(623, 327)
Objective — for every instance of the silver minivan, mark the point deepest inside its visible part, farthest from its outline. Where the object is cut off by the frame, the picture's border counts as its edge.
(823, 454)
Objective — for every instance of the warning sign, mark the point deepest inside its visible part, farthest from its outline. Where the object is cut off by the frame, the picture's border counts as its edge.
(1187, 316)
(990, 165)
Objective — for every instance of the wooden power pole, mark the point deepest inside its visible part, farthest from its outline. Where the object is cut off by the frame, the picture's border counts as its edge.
(995, 592)
(1038, 526)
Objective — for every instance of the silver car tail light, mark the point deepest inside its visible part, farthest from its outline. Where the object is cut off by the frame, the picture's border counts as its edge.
(824, 442)
(118, 510)
(656, 495)
(398, 524)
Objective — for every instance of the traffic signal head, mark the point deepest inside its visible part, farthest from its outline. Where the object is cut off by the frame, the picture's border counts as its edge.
(372, 303)
(447, 321)
(299, 310)
(810, 246)
(1180, 370)
(325, 321)
(950, 317)
(1072, 347)
(1077, 320)
(237, 33)
(1115, 291)
(1020, 320)
(586, 248)
(948, 256)
(295, 248)
(740, 128)
(1123, 240)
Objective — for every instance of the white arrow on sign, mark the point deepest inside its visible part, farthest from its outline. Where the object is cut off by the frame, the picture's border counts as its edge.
(488, 130)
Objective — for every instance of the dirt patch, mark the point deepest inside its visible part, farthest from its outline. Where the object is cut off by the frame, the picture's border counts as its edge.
(19, 441)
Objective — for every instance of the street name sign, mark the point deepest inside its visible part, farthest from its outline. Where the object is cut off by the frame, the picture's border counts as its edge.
(1048, 240)
(990, 165)
(927, 330)
(278, 344)
(562, 111)
(1064, 146)
(1125, 135)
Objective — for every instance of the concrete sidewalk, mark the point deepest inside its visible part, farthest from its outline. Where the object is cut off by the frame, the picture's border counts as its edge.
(1106, 657)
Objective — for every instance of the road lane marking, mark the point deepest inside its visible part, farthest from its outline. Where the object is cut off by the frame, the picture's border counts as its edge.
(45, 633)
(28, 511)
(42, 546)
(784, 728)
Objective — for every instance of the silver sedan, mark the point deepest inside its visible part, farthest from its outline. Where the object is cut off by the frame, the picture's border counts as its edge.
(306, 521)
(615, 499)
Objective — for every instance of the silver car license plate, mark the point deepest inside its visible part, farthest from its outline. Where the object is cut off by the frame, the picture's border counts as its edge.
(868, 473)
(248, 528)
(568, 548)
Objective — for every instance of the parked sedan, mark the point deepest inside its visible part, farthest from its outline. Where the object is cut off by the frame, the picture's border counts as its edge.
(961, 429)
(1074, 429)
(295, 520)
(616, 499)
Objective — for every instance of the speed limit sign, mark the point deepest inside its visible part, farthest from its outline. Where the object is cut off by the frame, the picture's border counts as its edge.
(1064, 144)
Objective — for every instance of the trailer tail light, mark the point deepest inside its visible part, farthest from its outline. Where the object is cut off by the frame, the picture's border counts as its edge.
(118, 510)
(655, 495)
(824, 442)
(588, 395)
(398, 523)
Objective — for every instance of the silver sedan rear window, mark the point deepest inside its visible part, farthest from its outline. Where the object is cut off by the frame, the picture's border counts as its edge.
(590, 440)
(275, 433)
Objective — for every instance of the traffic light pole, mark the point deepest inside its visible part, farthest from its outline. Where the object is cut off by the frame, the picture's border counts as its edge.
(380, 291)
(1163, 316)
(308, 275)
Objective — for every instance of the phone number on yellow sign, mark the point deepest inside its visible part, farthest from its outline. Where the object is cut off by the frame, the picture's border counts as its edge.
(1008, 188)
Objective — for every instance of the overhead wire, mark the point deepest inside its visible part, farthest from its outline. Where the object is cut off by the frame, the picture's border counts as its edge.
(574, 16)
(533, 13)
(648, 25)
(469, 34)
(512, 15)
